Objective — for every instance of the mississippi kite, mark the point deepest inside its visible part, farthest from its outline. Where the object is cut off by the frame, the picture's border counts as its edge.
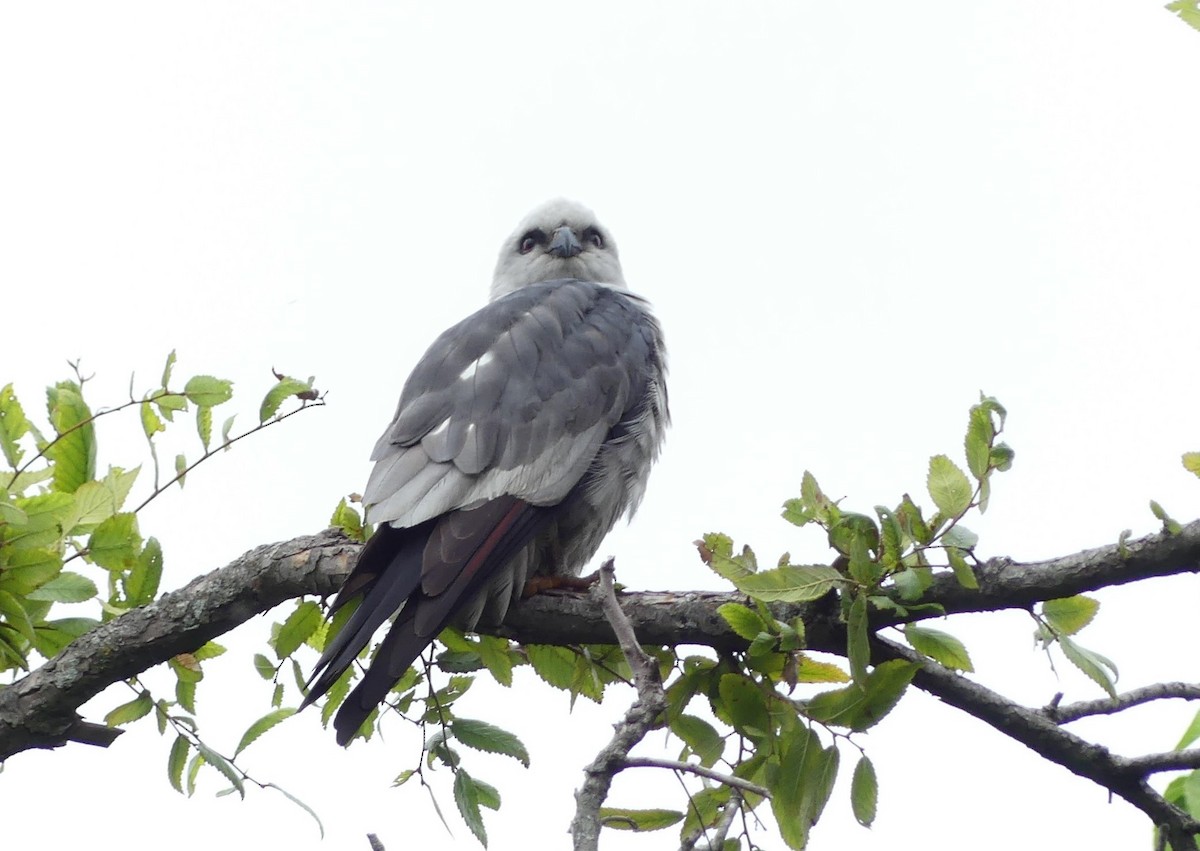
(523, 434)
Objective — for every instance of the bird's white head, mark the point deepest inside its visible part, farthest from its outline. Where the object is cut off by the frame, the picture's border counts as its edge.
(559, 239)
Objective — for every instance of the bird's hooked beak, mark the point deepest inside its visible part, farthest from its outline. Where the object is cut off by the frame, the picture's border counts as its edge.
(564, 243)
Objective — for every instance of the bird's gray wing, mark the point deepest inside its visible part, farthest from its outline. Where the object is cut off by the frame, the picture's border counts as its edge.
(514, 400)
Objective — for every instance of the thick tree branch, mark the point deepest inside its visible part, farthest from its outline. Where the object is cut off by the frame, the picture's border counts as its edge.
(40, 709)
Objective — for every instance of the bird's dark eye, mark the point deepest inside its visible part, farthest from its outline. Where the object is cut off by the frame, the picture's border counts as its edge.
(593, 237)
(530, 239)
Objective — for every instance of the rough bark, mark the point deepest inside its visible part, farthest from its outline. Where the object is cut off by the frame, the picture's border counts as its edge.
(40, 709)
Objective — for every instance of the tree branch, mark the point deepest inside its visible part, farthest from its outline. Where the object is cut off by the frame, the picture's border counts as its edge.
(1031, 727)
(639, 720)
(1108, 706)
(39, 710)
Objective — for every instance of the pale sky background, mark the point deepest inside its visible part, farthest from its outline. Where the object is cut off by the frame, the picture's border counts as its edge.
(851, 218)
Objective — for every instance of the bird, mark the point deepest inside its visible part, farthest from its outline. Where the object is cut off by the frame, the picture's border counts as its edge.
(522, 435)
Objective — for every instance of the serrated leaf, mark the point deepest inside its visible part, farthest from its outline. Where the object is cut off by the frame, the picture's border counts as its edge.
(348, 520)
(795, 513)
(261, 726)
(16, 616)
(181, 466)
(277, 395)
(169, 404)
(116, 543)
(152, 424)
(466, 797)
(13, 426)
(263, 665)
(743, 705)
(167, 367)
(67, 587)
(621, 818)
(1099, 669)
(790, 583)
(911, 521)
(815, 671)
(742, 620)
(555, 665)
(978, 442)
(1002, 457)
(141, 585)
(701, 738)
(960, 536)
(73, 450)
(300, 624)
(862, 707)
(93, 503)
(482, 736)
(948, 486)
(129, 712)
(716, 550)
(207, 392)
(962, 571)
(223, 765)
(800, 784)
(939, 646)
(1068, 615)
(864, 791)
(1191, 462)
(204, 424)
(494, 653)
(176, 761)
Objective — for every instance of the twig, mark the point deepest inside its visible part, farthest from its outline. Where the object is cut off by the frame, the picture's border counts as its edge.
(1108, 706)
(376, 845)
(699, 771)
(1153, 763)
(732, 807)
(639, 720)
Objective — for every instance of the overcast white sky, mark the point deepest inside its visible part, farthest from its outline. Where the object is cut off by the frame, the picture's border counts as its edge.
(851, 218)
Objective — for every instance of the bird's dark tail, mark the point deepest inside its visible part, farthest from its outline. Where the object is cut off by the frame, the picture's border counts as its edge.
(427, 572)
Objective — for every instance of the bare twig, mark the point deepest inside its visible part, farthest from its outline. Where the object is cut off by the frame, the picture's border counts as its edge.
(639, 720)
(699, 771)
(1108, 706)
(376, 845)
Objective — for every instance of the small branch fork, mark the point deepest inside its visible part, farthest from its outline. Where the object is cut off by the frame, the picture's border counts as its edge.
(638, 721)
(1041, 733)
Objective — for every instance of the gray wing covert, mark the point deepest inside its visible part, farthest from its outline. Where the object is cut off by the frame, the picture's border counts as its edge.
(516, 399)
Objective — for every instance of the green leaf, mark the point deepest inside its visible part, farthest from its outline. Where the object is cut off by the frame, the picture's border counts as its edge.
(204, 424)
(962, 571)
(263, 665)
(864, 789)
(620, 818)
(16, 616)
(151, 423)
(978, 443)
(494, 653)
(939, 646)
(858, 648)
(1068, 615)
(466, 797)
(1170, 525)
(815, 501)
(277, 395)
(227, 427)
(300, 624)
(207, 392)
(1002, 457)
(1188, 12)
(790, 583)
(169, 403)
(166, 373)
(483, 736)
(1099, 669)
(1191, 734)
(794, 512)
(176, 761)
(743, 705)
(716, 550)
(181, 466)
(73, 451)
(141, 585)
(743, 620)
(13, 426)
(948, 486)
(1191, 462)
(67, 587)
(348, 520)
(912, 523)
(129, 712)
(862, 707)
(222, 765)
(701, 738)
(261, 726)
(814, 671)
(800, 785)
(116, 543)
